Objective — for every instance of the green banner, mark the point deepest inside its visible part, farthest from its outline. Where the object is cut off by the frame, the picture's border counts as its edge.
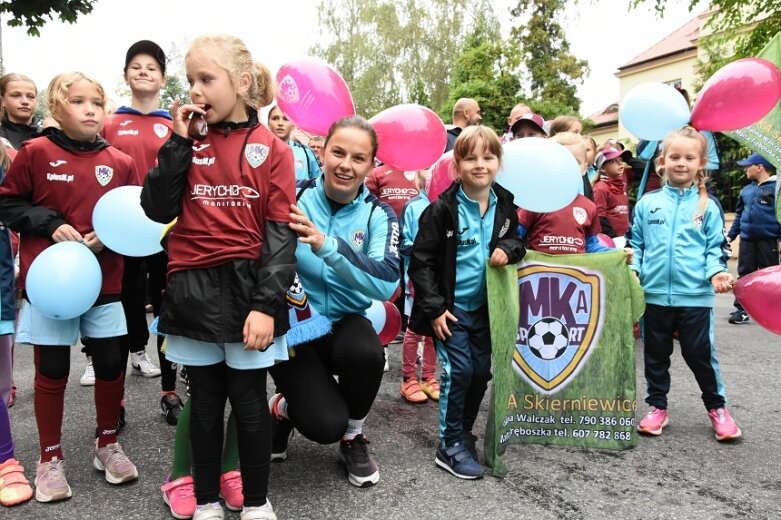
(563, 353)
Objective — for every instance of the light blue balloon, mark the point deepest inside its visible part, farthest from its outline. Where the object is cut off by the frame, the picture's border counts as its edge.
(652, 110)
(122, 226)
(542, 175)
(64, 281)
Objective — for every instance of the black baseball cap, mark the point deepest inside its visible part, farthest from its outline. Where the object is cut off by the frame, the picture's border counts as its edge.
(146, 47)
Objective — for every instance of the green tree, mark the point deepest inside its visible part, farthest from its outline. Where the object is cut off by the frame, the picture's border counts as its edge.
(487, 70)
(33, 14)
(392, 52)
(554, 73)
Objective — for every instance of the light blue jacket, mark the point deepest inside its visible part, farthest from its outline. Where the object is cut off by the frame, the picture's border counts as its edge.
(677, 250)
(410, 219)
(307, 166)
(359, 261)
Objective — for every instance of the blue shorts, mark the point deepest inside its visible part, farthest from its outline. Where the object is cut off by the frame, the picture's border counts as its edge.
(103, 321)
(186, 351)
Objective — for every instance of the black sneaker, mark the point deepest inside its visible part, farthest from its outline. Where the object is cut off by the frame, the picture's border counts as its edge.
(459, 461)
(171, 408)
(738, 317)
(362, 471)
(282, 430)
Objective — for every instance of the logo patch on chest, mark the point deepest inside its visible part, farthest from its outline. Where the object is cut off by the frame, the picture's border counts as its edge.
(358, 238)
(256, 154)
(580, 215)
(160, 130)
(104, 174)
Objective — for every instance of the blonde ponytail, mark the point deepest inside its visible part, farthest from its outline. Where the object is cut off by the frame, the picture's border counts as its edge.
(264, 88)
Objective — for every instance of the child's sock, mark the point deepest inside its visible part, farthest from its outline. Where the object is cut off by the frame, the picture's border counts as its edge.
(49, 404)
(108, 396)
(354, 428)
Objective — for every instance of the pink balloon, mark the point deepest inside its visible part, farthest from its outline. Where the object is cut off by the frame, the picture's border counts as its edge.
(443, 173)
(313, 95)
(392, 323)
(606, 240)
(759, 293)
(737, 95)
(410, 137)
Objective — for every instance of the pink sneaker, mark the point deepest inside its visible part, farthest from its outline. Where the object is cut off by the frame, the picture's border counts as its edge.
(723, 424)
(654, 421)
(231, 490)
(180, 497)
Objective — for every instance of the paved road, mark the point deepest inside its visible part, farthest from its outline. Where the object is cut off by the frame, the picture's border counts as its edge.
(684, 474)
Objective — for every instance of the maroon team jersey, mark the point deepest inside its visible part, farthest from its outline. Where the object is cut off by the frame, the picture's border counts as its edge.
(612, 202)
(138, 135)
(223, 209)
(70, 183)
(561, 232)
(394, 188)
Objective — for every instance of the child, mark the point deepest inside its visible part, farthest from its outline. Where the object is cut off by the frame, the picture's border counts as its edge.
(591, 153)
(471, 223)
(677, 237)
(570, 230)
(14, 487)
(755, 222)
(44, 211)
(232, 244)
(610, 193)
(427, 388)
(140, 130)
(18, 97)
(307, 165)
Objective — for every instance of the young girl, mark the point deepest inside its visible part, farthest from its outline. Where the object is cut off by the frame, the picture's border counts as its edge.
(471, 223)
(610, 194)
(231, 260)
(18, 97)
(140, 130)
(48, 196)
(427, 388)
(14, 487)
(677, 237)
(307, 166)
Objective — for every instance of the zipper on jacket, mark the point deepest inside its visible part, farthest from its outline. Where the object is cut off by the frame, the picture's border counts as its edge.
(670, 247)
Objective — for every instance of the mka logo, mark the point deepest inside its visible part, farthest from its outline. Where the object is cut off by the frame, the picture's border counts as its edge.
(560, 323)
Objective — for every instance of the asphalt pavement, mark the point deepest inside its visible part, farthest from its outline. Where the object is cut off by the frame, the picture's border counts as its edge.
(683, 474)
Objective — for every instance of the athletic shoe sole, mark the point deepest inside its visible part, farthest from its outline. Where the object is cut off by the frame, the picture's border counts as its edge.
(446, 466)
(111, 479)
(279, 457)
(361, 482)
(39, 497)
(137, 372)
(655, 433)
(729, 437)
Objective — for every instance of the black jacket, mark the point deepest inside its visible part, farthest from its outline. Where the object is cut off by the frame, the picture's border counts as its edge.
(212, 304)
(17, 133)
(433, 259)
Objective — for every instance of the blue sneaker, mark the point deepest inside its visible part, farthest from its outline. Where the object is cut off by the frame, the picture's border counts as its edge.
(459, 461)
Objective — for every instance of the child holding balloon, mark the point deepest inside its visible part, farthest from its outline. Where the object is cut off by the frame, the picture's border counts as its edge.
(48, 196)
(447, 269)
(677, 237)
(233, 244)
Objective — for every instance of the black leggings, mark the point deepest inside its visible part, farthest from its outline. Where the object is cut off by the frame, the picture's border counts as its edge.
(55, 361)
(209, 387)
(157, 266)
(318, 406)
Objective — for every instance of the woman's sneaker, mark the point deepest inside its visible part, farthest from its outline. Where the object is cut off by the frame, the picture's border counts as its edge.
(232, 490)
(282, 430)
(264, 512)
(50, 482)
(723, 424)
(180, 497)
(362, 471)
(458, 460)
(114, 463)
(171, 408)
(654, 421)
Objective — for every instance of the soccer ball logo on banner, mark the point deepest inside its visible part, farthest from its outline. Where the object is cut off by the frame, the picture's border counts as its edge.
(559, 324)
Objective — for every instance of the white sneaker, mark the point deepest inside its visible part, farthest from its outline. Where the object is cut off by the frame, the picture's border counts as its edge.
(142, 365)
(209, 512)
(264, 512)
(88, 379)
(386, 367)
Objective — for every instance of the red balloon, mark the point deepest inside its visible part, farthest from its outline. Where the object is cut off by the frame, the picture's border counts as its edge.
(606, 240)
(759, 293)
(443, 173)
(410, 137)
(313, 95)
(737, 95)
(392, 325)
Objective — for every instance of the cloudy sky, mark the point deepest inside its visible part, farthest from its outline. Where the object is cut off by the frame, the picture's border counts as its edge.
(604, 32)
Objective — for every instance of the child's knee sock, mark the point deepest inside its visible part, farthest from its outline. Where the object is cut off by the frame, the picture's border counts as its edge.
(182, 462)
(108, 395)
(49, 404)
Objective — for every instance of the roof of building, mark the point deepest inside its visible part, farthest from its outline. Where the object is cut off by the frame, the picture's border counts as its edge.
(681, 40)
(605, 117)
